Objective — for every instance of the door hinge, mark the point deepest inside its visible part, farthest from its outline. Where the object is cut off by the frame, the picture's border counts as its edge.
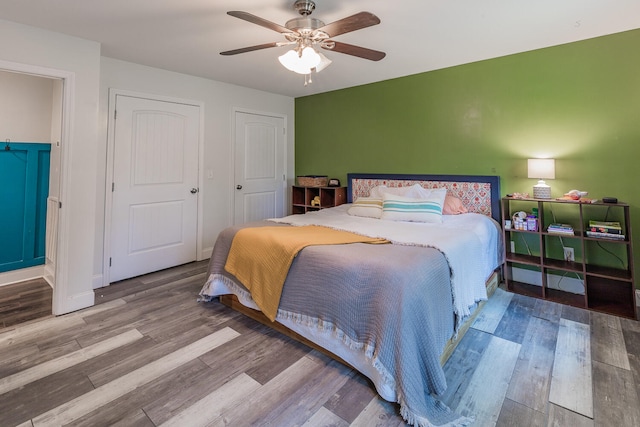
(115, 114)
(109, 261)
(59, 205)
(113, 187)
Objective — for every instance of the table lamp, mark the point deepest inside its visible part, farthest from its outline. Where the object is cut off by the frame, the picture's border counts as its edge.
(541, 169)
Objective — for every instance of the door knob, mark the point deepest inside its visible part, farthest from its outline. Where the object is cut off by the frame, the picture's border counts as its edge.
(194, 190)
(238, 187)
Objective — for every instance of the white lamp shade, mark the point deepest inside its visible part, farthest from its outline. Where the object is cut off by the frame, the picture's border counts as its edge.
(291, 61)
(541, 168)
(324, 62)
(302, 63)
(309, 57)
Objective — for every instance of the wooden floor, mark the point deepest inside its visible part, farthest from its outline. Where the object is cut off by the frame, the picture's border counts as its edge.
(24, 301)
(148, 354)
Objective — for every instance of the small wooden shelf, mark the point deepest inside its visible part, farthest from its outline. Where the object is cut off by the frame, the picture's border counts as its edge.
(522, 258)
(566, 298)
(613, 273)
(302, 198)
(561, 264)
(525, 289)
(603, 266)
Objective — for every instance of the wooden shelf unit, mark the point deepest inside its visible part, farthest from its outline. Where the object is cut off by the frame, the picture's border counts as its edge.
(301, 198)
(603, 266)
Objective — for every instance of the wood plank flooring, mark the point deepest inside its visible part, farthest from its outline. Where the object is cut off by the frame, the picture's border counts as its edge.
(148, 354)
(24, 301)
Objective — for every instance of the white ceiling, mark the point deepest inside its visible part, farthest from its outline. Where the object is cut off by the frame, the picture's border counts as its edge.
(418, 35)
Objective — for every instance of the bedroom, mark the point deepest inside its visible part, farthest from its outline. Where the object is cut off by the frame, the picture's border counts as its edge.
(584, 106)
(603, 88)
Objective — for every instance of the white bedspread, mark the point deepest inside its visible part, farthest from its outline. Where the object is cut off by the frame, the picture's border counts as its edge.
(472, 244)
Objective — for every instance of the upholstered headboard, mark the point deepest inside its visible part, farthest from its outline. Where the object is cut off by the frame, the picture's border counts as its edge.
(479, 194)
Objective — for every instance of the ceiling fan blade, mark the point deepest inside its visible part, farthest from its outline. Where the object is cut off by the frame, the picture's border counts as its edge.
(349, 49)
(350, 23)
(259, 21)
(249, 49)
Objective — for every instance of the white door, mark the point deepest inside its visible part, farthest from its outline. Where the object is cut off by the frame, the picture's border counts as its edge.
(155, 194)
(259, 167)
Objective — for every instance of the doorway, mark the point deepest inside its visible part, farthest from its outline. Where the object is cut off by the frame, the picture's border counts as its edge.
(36, 116)
(153, 189)
(259, 167)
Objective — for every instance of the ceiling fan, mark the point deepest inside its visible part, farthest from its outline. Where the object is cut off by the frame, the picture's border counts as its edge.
(305, 33)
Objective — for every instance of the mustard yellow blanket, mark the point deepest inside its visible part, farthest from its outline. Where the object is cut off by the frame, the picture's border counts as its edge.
(260, 257)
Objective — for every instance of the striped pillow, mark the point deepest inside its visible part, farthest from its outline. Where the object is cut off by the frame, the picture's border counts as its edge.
(398, 208)
(368, 207)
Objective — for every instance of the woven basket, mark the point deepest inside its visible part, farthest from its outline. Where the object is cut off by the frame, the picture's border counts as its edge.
(313, 181)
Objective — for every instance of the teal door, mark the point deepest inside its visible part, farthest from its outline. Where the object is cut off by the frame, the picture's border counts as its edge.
(24, 188)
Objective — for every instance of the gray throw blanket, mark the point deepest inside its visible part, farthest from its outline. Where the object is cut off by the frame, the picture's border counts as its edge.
(392, 302)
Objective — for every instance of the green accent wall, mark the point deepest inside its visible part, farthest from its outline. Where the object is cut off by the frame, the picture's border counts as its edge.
(578, 103)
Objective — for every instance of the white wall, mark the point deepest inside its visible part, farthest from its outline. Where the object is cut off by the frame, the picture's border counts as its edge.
(78, 61)
(219, 100)
(25, 110)
(85, 140)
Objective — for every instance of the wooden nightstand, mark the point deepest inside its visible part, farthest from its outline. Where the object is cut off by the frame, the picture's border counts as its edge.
(302, 198)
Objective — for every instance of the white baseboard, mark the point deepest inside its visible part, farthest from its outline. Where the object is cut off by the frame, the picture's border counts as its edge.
(74, 303)
(98, 278)
(49, 274)
(567, 283)
(96, 281)
(21, 275)
(206, 253)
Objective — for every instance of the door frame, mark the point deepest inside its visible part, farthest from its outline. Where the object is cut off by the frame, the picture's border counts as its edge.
(60, 303)
(232, 156)
(108, 202)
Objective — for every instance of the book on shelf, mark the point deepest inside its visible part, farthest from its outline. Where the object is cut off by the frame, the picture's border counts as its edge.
(604, 223)
(600, 235)
(560, 228)
(611, 227)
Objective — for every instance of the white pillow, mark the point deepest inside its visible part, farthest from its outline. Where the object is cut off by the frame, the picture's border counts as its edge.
(368, 207)
(415, 191)
(399, 208)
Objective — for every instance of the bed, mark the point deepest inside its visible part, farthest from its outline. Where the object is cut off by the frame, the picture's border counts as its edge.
(394, 306)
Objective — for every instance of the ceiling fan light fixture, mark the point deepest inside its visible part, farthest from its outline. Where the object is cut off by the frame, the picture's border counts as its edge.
(309, 57)
(289, 60)
(324, 62)
(303, 62)
(292, 62)
(306, 33)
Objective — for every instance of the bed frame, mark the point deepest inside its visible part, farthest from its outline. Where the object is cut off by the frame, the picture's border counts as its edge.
(479, 194)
